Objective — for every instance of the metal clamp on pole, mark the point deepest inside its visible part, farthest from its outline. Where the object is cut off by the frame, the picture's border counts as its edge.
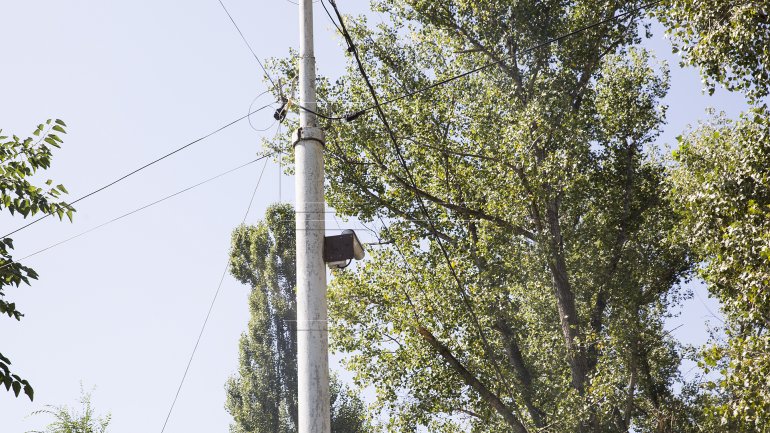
(309, 133)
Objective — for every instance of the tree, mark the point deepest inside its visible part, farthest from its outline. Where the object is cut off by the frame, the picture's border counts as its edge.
(525, 274)
(722, 189)
(20, 160)
(726, 39)
(68, 421)
(262, 397)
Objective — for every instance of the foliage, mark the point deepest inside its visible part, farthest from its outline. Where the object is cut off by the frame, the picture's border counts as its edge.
(262, 397)
(727, 39)
(68, 421)
(722, 189)
(20, 160)
(531, 293)
(13, 381)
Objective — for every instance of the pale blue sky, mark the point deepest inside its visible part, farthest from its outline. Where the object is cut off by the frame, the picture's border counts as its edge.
(120, 308)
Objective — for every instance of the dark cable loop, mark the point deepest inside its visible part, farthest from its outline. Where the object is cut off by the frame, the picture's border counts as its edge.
(249, 111)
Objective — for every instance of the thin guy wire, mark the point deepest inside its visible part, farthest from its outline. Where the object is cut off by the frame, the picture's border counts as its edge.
(139, 209)
(247, 43)
(352, 116)
(409, 271)
(126, 176)
(468, 304)
(211, 307)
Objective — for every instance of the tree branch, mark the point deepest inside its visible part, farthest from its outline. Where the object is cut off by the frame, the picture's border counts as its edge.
(565, 298)
(488, 396)
(519, 366)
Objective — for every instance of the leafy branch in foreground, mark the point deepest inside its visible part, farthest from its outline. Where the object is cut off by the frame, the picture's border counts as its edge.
(20, 160)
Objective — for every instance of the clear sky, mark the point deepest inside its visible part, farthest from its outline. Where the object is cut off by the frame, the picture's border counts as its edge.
(121, 307)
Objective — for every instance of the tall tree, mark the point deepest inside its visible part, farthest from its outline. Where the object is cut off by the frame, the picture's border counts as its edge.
(526, 273)
(721, 188)
(262, 397)
(20, 160)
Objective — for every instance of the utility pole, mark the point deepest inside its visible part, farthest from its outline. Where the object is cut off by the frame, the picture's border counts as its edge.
(312, 334)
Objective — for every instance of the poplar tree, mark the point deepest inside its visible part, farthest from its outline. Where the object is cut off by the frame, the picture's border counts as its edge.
(721, 187)
(525, 270)
(262, 396)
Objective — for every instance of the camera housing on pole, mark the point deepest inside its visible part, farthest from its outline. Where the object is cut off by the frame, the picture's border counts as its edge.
(341, 249)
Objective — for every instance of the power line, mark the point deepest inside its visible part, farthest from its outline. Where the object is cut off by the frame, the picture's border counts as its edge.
(126, 176)
(247, 43)
(323, 3)
(137, 210)
(354, 115)
(211, 307)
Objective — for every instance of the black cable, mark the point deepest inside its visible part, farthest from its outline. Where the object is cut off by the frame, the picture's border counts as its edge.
(139, 209)
(352, 116)
(122, 178)
(323, 3)
(346, 117)
(211, 307)
(247, 43)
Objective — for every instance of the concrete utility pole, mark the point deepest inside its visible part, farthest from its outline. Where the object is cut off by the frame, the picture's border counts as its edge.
(312, 335)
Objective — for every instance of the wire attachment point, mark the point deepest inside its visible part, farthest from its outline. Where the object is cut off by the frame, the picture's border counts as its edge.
(280, 112)
(350, 117)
